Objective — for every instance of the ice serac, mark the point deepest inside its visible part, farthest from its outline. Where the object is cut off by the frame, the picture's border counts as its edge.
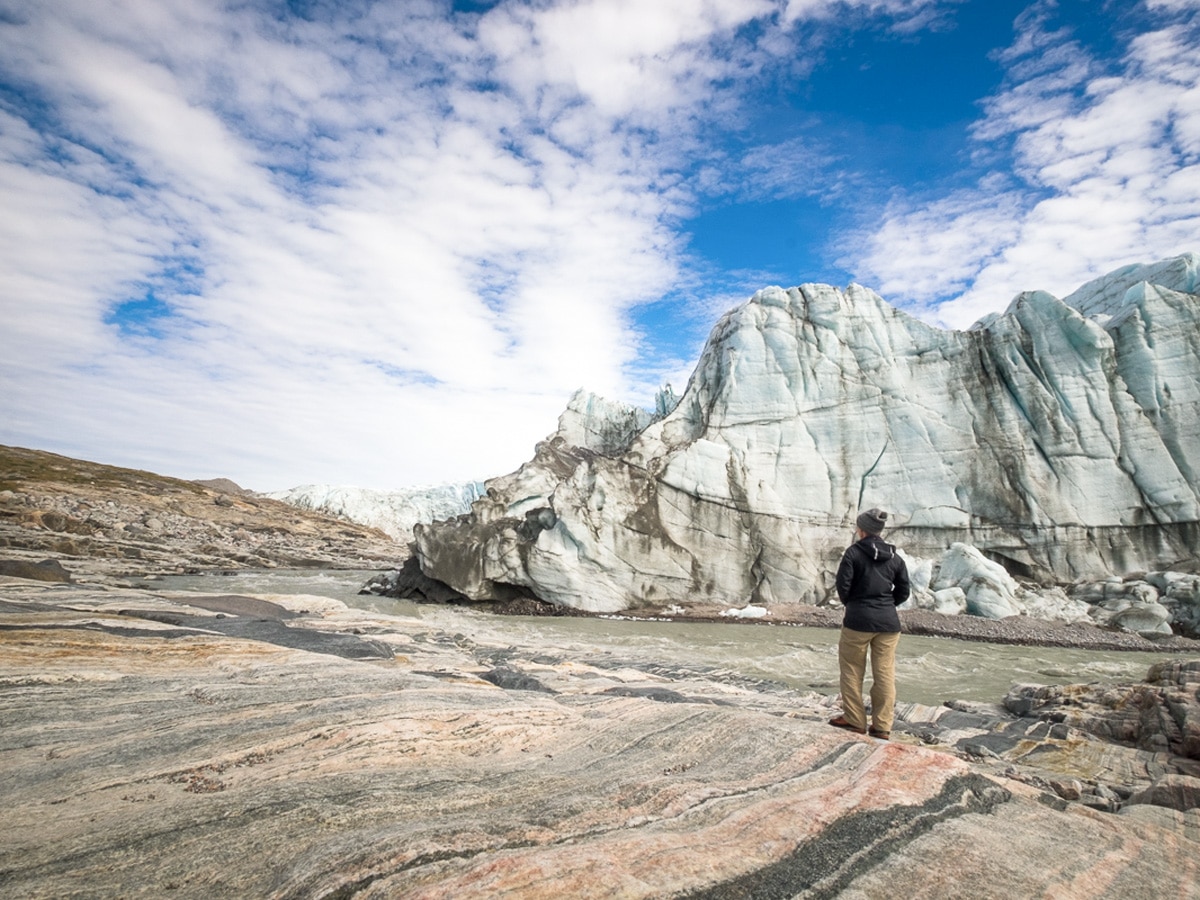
(393, 512)
(1061, 438)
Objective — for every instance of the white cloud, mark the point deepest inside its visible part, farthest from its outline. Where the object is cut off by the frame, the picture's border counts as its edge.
(409, 236)
(915, 255)
(1108, 166)
(625, 57)
(906, 12)
(796, 167)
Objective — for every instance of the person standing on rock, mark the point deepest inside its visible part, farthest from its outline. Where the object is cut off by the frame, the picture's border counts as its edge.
(872, 581)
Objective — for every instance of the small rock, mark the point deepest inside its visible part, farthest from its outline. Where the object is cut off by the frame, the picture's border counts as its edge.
(980, 750)
(1068, 790)
(512, 680)
(381, 583)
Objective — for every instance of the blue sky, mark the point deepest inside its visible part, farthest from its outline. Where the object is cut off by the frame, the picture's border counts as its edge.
(381, 243)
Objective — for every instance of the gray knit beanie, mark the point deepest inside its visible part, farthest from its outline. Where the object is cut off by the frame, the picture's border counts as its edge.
(873, 521)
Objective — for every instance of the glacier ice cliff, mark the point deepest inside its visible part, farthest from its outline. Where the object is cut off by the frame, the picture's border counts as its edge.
(1060, 438)
(392, 512)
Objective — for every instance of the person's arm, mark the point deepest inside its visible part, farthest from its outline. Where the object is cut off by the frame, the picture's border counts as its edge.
(845, 577)
(901, 587)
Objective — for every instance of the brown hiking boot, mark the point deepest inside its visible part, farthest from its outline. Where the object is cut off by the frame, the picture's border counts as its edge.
(841, 722)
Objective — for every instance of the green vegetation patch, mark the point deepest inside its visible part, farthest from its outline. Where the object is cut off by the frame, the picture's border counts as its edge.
(22, 469)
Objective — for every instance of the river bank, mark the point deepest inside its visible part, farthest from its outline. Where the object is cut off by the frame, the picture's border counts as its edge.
(1025, 631)
(1022, 630)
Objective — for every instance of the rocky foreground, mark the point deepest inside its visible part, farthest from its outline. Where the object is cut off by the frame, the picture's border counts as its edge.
(213, 745)
(157, 744)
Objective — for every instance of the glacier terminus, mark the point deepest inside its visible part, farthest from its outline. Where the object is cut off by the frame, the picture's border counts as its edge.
(1055, 443)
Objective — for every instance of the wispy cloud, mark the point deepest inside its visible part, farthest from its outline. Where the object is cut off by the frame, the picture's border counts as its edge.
(381, 243)
(375, 243)
(1105, 170)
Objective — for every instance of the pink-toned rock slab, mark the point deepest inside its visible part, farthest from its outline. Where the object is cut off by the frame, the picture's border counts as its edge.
(167, 752)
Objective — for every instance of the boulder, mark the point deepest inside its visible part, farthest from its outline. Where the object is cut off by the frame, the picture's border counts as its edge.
(988, 589)
(951, 601)
(1131, 604)
(46, 570)
(1180, 593)
(1180, 792)
(1144, 618)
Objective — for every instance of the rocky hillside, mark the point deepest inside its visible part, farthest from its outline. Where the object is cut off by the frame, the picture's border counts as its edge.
(104, 522)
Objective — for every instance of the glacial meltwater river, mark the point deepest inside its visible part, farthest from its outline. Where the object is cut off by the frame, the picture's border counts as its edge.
(928, 670)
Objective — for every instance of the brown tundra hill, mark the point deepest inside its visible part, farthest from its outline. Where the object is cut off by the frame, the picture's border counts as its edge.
(104, 522)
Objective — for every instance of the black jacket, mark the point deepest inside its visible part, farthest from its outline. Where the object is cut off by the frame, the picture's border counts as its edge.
(872, 581)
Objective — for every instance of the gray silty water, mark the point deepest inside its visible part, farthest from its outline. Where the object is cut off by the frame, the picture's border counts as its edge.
(928, 670)
(339, 584)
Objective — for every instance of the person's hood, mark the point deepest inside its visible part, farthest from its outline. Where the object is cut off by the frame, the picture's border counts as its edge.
(875, 549)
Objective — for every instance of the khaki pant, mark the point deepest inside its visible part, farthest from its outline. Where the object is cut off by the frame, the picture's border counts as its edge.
(852, 660)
